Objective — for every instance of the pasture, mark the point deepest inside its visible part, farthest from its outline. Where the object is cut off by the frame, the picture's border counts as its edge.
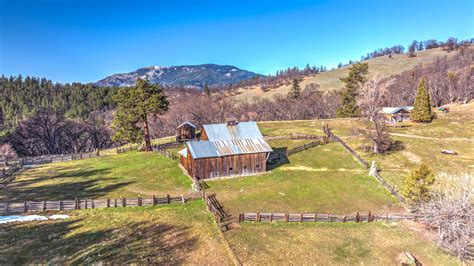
(171, 234)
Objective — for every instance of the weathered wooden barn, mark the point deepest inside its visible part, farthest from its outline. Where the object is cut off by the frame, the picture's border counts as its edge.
(185, 131)
(395, 115)
(226, 149)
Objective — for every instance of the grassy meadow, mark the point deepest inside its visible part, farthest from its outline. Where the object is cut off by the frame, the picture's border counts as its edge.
(129, 174)
(170, 234)
(322, 179)
(332, 244)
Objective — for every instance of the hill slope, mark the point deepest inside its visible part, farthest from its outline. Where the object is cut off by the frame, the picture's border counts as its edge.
(378, 67)
(188, 76)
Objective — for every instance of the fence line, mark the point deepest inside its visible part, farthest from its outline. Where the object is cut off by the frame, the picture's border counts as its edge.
(7, 208)
(321, 217)
(276, 156)
(292, 136)
(222, 219)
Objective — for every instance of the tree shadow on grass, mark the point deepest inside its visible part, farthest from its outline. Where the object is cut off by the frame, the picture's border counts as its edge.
(63, 186)
(61, 242)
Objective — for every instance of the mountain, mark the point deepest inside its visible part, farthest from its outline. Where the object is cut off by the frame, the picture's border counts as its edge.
(191, 76)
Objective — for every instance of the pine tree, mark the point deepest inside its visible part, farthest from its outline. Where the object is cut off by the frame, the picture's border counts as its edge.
(295, 92)
(206, 90)
(422, 112)
(417, 185)
(352, 83)
(133, 107)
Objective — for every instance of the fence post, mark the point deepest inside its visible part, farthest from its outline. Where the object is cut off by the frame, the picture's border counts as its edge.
(168, 198)
(240, 217)
(182, 199)
(154, 200)
(60, 205)
(92, 203)
(44, 205)
(287, 217)
(76, 205)
(345, 218)
(357, 217)
(315, 216)
(85, 204)
(25, 209)
(108, 203)
(115, 202)
(301, 217)
(124, 202)
(139, 202)
(258, 217)
(271, 217)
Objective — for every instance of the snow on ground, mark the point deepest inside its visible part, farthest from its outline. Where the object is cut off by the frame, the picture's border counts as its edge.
(28, 218)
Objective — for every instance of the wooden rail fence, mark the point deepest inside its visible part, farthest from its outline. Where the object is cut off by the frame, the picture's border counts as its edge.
(222, 219)
(277, 156)
(321, 217)
(7, 208)
(293, 136)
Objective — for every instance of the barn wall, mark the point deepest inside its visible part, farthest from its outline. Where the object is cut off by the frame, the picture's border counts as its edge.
(229, 165)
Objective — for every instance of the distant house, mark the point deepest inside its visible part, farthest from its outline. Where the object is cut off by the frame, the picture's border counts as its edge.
(233, 148)
(185, 131)
(398, 114)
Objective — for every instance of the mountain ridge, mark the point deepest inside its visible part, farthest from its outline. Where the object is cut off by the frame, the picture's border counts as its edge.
(189, 76)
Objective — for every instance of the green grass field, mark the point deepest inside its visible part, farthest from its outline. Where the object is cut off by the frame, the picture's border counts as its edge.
(130, 174)
(171, 234)
(321, 179)
(379, 67)
(332, 244)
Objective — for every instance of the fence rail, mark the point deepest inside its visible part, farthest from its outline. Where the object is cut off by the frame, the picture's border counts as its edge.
(223, 219)
(293, 136)
(276, 156)
(321, 217)
(7, 208)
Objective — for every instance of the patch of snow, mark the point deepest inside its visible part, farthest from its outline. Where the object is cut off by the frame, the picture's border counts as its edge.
(227, 74)
(28, 218)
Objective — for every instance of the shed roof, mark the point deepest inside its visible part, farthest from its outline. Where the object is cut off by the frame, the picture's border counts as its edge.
(208, 149)
(243, 130)
(394, 110)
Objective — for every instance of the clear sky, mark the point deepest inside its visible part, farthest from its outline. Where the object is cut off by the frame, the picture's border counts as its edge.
(87, 40)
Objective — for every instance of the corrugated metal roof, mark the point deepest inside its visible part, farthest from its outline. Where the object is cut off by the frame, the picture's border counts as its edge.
(243, 130)
(393, 110)
(208, 149)
(183, 152)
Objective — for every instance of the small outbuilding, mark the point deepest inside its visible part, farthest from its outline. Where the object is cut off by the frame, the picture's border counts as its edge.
(398, 114)
(185, 131)
(229, 149)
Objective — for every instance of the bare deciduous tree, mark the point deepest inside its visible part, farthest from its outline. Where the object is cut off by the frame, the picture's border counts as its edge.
(450, 212)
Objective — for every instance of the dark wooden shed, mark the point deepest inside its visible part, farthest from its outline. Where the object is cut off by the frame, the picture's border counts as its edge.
(185, 131)
(226, 150)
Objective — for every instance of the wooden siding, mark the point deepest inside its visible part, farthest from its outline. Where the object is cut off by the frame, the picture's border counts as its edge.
(185, 132)
(243, 164)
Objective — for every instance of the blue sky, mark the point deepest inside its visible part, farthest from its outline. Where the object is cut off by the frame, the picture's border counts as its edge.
(84, 41)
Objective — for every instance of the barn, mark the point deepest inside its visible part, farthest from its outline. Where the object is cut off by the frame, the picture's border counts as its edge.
(228, 149)
(395, 115)
(185, 131)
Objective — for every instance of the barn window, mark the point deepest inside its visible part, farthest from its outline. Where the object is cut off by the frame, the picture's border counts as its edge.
(245, 167)
(257, 166)
(231, 170)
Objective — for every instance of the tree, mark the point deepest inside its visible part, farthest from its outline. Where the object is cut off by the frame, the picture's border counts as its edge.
(422, 112)
(449, 212)
(376, 134)
(417, 185)
(206, 90)
(352, 83)
(412, 49)
(134, 105)
(295, 92)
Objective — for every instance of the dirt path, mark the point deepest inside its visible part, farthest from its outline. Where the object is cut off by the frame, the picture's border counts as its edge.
(429, 138)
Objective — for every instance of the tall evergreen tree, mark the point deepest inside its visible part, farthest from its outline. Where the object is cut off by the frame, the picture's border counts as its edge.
(295, 92)
(422, 112)
(134, 105)
(352, 83)
(206, 90)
